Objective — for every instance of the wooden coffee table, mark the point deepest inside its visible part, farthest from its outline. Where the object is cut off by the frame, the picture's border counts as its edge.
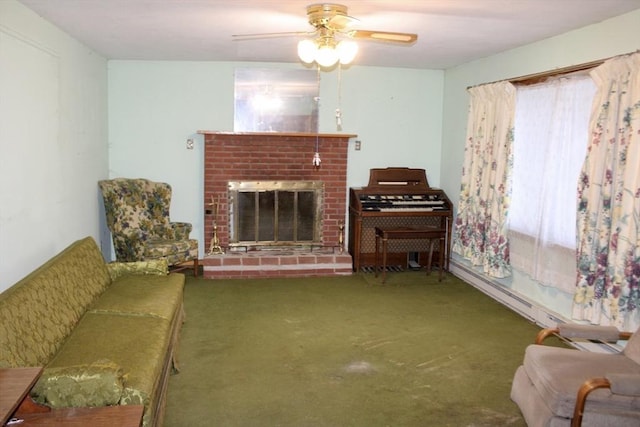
(15, 383)
(105, 416)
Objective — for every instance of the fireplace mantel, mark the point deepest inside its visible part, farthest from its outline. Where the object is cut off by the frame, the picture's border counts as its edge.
(281, 134)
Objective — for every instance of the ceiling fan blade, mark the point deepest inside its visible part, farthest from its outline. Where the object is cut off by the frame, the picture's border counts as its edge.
(340, 22)
(239, 37)
(383, 36)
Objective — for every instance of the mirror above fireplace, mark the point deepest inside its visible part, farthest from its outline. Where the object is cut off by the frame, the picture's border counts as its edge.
(275, 100)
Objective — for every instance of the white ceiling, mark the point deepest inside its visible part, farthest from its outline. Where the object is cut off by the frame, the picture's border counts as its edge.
(450, 32)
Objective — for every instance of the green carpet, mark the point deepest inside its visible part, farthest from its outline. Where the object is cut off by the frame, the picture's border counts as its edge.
(346, 351)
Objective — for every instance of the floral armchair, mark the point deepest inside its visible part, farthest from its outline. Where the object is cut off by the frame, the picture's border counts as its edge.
(137, 212)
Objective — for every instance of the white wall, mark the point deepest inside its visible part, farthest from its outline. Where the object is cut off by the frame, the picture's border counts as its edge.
(154, 107)
(53, 141)
(609, 38)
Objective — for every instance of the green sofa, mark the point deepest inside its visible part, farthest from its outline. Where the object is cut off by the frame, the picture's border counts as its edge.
(106, 333)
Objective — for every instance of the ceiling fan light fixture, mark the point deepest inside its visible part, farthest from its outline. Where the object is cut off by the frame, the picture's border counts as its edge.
(326, 52)
(327, 56)
(347, 50)
(307, 51)
(331, 21)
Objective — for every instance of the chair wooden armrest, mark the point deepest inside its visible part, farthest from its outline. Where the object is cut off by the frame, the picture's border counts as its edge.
(593, 332)
(584, 390)
(628, 385)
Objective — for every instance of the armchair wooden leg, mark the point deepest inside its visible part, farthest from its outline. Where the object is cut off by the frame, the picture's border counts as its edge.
(586, 388)
(195, 267)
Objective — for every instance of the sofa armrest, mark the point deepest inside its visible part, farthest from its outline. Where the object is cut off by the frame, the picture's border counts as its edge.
(172, 231)
(155, 266)
(591, 332)
(96, 384)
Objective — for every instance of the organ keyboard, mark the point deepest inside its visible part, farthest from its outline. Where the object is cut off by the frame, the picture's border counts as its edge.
(395, 197)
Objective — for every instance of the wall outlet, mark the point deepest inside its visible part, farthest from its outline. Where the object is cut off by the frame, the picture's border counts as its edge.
(189, 144)
(358, 145)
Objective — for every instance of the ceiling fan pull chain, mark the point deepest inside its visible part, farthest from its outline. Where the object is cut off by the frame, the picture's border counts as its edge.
(316, 156)
(339, 110)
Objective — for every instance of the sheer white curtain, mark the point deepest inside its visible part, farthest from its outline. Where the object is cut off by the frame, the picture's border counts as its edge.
(550, 141)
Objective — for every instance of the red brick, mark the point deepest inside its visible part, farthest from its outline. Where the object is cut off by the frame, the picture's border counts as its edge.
(231, 260)
(250, 261)
(289, 260)
(269, 260)
(275, 157)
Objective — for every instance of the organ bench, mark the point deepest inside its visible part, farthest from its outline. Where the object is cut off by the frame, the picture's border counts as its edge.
(432, 234)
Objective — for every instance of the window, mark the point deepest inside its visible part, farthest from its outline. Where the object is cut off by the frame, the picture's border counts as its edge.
(550, 140)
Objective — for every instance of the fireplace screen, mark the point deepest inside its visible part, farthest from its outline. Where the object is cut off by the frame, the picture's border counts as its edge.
(278, 213)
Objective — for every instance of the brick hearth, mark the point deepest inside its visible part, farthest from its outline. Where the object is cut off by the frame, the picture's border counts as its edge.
(276, 156)
(257, 264)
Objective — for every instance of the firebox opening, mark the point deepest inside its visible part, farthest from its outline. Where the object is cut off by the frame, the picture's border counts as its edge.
(275, 213)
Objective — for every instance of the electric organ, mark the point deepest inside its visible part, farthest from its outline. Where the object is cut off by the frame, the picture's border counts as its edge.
(396, 198)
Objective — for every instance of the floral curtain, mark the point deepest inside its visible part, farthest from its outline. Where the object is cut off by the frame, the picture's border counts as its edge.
(480, 229)
(608, 220)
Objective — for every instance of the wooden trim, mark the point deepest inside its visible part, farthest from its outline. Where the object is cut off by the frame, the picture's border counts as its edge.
(281, 134)
(540, 77)
(534, 78)
(530, 79)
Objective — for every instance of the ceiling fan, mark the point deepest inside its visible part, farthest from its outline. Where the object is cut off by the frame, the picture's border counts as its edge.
(331, 22)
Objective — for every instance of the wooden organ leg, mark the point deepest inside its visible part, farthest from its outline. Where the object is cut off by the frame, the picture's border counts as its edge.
(375, 269)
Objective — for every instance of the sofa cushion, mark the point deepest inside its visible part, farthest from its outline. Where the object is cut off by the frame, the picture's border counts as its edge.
(558, 373)
(57, 294)
(138, 344)
(95, 384)
(143, 295)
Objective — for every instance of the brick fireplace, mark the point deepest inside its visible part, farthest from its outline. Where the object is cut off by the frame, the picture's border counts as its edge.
(233, 158)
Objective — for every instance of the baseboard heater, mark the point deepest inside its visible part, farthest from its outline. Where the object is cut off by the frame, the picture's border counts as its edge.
(528, 309)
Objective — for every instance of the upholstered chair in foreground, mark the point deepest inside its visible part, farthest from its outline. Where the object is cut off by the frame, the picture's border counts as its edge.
(137, 212)
(568, 387)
